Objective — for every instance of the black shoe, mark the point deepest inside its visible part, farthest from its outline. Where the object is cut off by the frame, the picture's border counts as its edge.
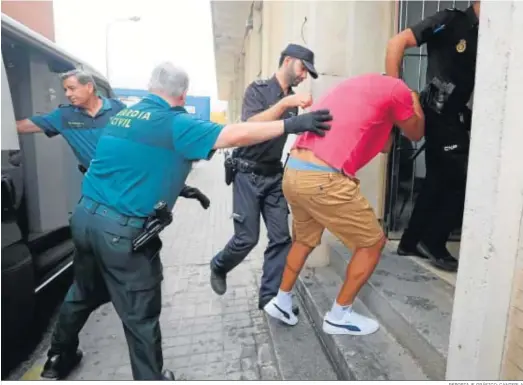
(218, 281)
(59, 366)
(265, 301)
(442, 260)
(404, 251)
(168, 375)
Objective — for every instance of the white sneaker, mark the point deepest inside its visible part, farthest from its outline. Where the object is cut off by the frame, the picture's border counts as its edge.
(352, 323)
(284, 314)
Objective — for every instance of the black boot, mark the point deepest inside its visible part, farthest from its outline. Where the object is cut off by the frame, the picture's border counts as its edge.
(218, 281)
(59, 366)
(441, 259)
(168, 375)
(404, 250)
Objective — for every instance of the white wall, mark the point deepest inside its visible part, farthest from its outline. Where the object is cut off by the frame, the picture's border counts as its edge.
(490, 241)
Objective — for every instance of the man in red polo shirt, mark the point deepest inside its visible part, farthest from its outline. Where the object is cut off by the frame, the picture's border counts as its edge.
(322, 190)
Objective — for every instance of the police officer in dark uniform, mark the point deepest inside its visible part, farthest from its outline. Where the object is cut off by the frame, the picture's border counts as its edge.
(258, 171)
(143, 158)
(451, 36)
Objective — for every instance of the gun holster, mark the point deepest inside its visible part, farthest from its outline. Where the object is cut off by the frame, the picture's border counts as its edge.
(436, 94)
(230, 170)
(149, 236)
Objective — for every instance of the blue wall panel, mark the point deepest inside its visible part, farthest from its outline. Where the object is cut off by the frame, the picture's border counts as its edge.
(197, 105)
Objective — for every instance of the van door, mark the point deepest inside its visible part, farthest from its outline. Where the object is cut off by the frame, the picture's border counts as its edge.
(12, 172)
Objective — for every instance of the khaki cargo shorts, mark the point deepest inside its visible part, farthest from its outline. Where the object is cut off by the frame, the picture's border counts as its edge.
(322, 200)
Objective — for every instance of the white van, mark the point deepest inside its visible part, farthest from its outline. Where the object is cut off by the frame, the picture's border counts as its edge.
(40, 180)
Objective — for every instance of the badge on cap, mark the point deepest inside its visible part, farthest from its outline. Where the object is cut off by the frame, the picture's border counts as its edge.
(461, 46)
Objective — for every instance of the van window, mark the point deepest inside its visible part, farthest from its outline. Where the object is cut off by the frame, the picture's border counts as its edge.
(9, 135)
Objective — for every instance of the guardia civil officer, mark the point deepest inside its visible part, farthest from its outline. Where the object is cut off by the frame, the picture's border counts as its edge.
(257, 184)
(81, 122)
(451, 36)
(143, 157)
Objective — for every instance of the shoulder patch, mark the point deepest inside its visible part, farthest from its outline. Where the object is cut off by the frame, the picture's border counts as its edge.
(439, 28)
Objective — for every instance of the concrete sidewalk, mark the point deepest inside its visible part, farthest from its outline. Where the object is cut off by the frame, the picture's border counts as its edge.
(205, 336)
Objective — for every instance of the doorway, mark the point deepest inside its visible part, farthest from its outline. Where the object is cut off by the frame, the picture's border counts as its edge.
(406, 165)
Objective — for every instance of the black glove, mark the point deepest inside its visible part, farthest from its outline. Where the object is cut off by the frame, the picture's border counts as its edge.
(193, 193)
(311, 121)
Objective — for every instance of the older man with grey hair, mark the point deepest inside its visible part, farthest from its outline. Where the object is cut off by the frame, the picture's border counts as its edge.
(82, 121)
(143, 158)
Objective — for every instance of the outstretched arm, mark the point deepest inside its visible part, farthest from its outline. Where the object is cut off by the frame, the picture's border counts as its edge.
(50, 124)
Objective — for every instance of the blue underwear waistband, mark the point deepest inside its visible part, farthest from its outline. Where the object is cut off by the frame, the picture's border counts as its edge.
(301, 165)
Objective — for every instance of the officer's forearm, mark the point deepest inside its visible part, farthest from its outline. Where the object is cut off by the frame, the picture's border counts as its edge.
(270, 114)
(26, 127)
(393, 58)
(245, 134)
(396, 49)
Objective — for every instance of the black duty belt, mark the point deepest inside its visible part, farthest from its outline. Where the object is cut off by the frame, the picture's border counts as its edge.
(246, 166)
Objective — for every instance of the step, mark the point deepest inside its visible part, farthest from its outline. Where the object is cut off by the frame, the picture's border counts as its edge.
(411, 301)
(367, 358)
(299, 352)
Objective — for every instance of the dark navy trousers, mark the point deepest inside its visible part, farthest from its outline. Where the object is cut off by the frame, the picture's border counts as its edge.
(106, 269)
(439, 207)
(256, 196)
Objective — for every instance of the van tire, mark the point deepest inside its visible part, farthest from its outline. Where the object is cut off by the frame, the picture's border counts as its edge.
(18, 298)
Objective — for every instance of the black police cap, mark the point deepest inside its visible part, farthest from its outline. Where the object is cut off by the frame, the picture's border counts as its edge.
(304, 54)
